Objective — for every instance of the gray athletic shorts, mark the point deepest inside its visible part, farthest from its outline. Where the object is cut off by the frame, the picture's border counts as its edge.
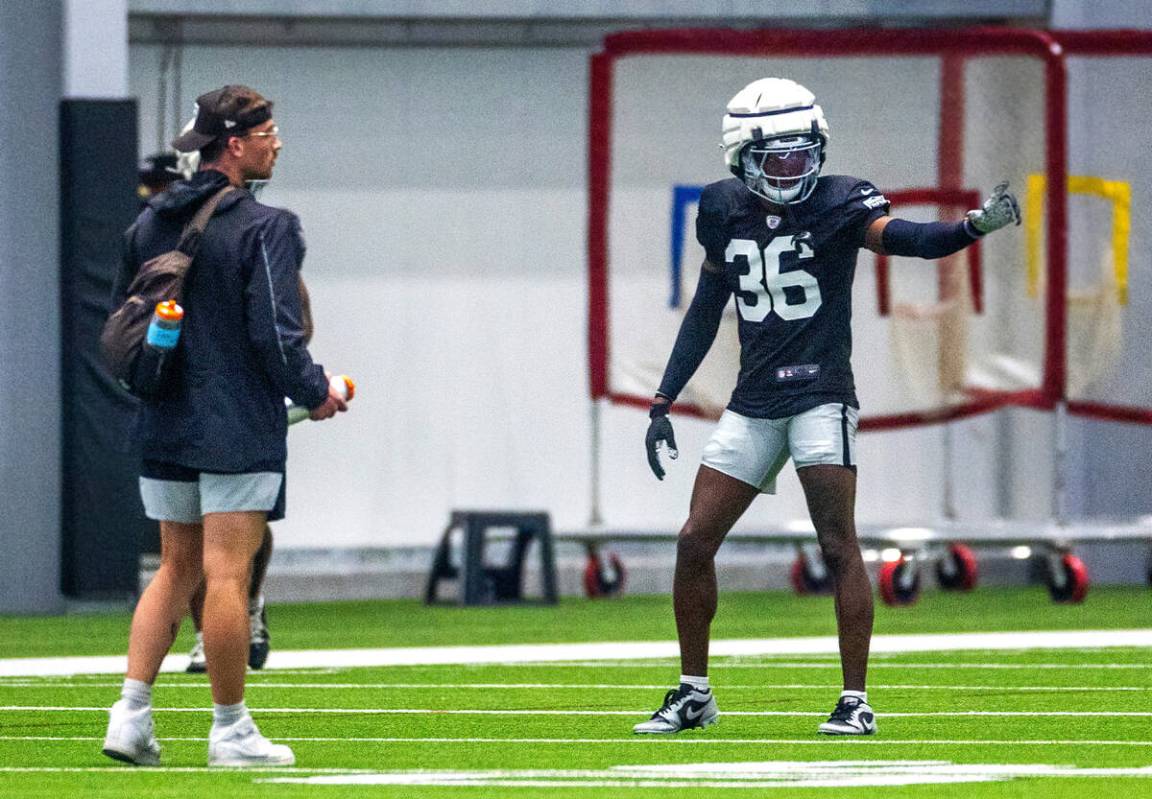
(174, 493)
(755, 450)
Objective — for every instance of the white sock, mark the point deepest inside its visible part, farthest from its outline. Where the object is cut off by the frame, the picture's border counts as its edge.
(861, 695)
(137, 693)
(699, 683)
(225, 715)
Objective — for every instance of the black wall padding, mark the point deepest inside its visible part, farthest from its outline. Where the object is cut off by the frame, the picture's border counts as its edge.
(103, 522)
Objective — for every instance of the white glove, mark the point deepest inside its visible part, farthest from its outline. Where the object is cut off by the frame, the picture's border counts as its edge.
(998, 210)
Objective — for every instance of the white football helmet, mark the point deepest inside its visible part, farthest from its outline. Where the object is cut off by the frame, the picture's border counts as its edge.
(774, 136)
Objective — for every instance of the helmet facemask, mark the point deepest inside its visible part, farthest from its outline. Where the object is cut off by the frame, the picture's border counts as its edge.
(782, 170)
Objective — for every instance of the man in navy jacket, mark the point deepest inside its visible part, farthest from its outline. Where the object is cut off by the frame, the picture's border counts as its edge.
(215, 441)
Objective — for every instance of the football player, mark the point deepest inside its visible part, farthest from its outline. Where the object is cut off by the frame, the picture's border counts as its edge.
(781, 240)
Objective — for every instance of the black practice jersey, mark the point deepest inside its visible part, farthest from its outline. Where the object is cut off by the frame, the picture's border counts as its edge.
(791, 278)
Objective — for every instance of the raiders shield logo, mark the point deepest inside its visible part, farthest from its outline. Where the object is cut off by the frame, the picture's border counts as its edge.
(773, 222)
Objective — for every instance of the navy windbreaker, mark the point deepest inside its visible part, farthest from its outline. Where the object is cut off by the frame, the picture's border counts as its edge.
(242, 342)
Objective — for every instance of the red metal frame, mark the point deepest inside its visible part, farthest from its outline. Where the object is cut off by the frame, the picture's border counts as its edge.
(1107, 43)
(951, 45)
(944, 198)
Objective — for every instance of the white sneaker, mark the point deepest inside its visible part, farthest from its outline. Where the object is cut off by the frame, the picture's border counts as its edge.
(684, 708)
(241, 745)
(851, 717)
(129, 738)
(197, 664)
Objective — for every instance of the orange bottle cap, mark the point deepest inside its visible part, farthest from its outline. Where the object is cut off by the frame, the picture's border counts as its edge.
(169, 310)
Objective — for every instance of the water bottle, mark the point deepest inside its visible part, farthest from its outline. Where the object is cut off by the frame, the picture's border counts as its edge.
(159, 344)
(344, 386)
(164, 331)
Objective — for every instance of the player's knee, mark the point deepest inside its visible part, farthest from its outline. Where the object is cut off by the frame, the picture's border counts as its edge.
(226, 570)
(694, 545)
(185, 573)
(838, 552)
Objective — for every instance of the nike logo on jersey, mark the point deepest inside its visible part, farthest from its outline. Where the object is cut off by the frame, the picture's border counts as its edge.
(866, 192)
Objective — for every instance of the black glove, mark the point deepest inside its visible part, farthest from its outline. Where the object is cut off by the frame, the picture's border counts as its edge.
(660, 430)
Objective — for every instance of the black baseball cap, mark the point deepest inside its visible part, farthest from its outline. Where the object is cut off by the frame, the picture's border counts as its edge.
(229, 111)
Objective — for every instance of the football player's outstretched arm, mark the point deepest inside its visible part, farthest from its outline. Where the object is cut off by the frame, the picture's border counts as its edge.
(697, 332)
(938, 239)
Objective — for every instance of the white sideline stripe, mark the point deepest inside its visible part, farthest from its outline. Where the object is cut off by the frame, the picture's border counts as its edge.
(836, 665)
(646, 740)
(487, 686)
(628, 650)
(110, 769)
(420, 711)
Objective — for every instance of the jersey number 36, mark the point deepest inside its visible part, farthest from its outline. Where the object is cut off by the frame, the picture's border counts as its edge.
(766, 288)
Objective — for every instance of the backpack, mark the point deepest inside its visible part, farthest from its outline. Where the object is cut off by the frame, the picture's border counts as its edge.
(159, 279)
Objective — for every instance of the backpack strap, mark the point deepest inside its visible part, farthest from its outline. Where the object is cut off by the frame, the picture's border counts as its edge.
(190, 236)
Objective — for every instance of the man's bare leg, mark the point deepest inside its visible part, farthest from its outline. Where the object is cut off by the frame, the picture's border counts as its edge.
(230, 541)
(831, 494)
(255, 585)
(164, 602)
(130, 737)
(717, 502)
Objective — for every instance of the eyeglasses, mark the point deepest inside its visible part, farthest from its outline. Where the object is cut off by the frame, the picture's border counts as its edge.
(273, 132)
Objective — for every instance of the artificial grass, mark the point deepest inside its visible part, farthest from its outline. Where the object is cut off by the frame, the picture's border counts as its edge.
(394, 623)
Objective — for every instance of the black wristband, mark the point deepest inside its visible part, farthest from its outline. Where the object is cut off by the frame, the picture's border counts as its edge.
(659, 409)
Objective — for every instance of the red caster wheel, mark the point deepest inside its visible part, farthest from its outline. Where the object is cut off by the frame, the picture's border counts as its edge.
(604, 575)
(900, 582)
(809, 576)
(1067, 578)
(956, 569)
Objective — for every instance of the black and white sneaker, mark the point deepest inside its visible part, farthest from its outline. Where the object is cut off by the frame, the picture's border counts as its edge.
(259, 641)
(684, 708)
(852, 716)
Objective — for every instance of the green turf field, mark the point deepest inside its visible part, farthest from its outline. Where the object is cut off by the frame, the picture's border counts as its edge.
(563, 730)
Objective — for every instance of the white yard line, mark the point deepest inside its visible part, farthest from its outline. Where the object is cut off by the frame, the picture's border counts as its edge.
(835, 664)
(689, 739)
(488, 686)
(605, 651)
(420, 711)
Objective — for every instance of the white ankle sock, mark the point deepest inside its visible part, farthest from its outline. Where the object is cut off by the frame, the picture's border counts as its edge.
(137, 693)
(225, 715)
(700, 683)
(861, 695)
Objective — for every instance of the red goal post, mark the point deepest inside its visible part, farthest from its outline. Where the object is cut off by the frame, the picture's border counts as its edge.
(644, 114)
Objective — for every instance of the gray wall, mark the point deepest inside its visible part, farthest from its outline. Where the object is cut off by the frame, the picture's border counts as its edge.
(30, 80)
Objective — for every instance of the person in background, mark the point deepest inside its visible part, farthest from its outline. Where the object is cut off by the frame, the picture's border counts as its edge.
(215, 440)
(155, 174)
